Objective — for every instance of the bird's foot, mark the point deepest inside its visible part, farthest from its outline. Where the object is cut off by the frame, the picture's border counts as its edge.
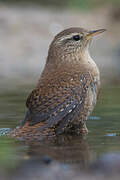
(78, 129)
(83, 129)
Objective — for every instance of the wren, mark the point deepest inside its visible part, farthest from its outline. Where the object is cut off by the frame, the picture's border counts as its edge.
(67, 90)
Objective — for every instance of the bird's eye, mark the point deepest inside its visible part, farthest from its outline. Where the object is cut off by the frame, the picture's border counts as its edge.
(77, 37)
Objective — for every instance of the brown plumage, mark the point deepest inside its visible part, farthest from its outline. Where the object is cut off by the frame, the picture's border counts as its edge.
(67, 90)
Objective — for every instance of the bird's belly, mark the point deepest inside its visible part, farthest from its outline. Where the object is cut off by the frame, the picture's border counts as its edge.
(92, 95)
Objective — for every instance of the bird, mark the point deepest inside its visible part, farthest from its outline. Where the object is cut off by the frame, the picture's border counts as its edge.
(67, 90)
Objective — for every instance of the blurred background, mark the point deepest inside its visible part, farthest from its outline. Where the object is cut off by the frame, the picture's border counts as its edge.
(26, 31)
(27, 28)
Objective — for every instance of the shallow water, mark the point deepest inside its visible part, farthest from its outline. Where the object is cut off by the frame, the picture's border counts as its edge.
(103, 137)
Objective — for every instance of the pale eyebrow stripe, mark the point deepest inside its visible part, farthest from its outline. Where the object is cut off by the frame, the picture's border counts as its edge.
(68, 36)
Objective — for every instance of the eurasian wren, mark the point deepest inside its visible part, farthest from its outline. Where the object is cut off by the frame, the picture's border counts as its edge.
(67, 90)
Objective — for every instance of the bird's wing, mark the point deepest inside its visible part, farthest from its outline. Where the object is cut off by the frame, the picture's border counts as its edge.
(63, 104)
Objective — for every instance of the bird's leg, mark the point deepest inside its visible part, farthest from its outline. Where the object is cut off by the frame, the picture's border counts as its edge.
(83, 129)
(78, 129)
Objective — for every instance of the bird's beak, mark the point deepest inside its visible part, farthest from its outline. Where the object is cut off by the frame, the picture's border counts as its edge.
(94, 33)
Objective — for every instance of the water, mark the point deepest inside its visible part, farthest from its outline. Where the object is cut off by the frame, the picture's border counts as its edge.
(103, 137)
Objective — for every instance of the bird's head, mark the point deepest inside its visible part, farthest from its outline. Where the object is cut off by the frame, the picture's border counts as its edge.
(72, 41)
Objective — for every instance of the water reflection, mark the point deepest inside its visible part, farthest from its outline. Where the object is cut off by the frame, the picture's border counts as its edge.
(65, 149)
(80, 152)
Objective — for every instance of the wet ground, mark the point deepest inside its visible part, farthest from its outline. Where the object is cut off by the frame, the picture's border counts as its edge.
(96, 155)
(25, 34)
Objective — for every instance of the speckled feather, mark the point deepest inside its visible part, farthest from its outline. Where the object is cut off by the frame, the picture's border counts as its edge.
(66, 92)
(59, 107)
(53, 107)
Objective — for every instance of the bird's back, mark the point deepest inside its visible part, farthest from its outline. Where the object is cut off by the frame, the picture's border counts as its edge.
(59, 102)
